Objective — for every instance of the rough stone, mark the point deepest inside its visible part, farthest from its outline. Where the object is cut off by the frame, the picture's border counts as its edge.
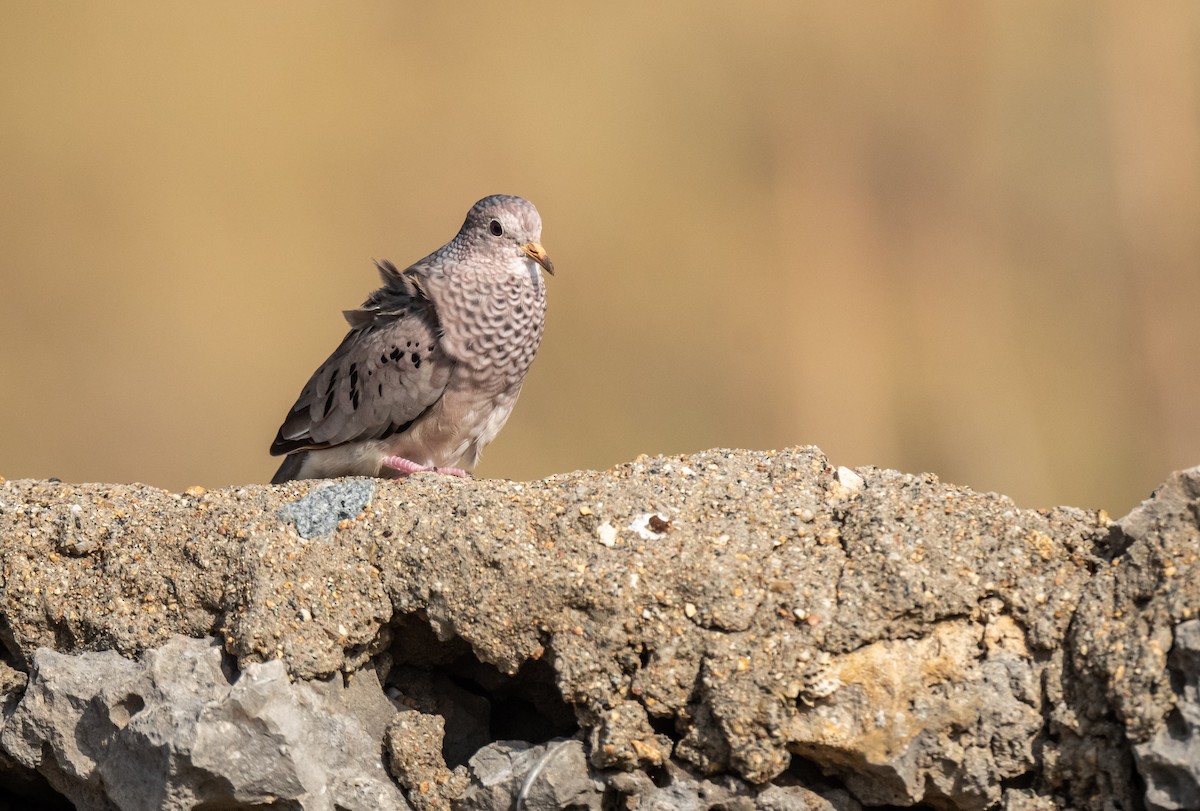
(914, 719)
(757, 630)
(1025, 800)
(323, 508)
(623, 737)
(413, 742)
(791, 798)
(1169, 761)
(509, 774)
(677, 789)
(1124, 696)
(173, 732)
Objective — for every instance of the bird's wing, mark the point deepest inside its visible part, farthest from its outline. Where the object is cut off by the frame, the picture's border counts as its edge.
(387, 371)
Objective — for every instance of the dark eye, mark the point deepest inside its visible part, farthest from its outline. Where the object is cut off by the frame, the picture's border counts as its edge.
(496, 228)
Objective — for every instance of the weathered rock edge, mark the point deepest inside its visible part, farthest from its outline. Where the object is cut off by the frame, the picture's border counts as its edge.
(740, 626)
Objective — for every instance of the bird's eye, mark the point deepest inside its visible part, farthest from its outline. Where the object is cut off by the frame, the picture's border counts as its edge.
(496, 228)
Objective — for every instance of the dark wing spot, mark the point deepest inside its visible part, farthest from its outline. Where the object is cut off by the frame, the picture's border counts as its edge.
(395, 354)
(354, 385)
(416, 359)
(332, 383)
(383, 358)
(328, 403)
(380, 389)
(395, 429)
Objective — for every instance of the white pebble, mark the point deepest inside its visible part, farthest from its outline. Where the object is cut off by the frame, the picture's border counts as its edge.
(849, 479)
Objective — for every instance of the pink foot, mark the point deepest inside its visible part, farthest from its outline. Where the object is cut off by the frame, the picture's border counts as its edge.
(406, 467)
(402, 466)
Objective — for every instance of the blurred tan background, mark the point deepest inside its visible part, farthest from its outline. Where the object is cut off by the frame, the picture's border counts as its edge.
(937, 236)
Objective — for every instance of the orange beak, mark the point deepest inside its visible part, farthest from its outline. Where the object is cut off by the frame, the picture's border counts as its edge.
(537, 253)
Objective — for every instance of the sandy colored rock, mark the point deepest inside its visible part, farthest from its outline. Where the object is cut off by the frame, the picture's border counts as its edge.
(758, 620)
(413, 743)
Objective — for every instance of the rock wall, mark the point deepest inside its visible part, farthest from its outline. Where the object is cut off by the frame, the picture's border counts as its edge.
(729, 630)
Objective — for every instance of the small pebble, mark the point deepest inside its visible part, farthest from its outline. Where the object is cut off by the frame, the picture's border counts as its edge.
(849, 479)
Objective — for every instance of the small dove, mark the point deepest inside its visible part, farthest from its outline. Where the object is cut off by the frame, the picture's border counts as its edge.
(434, 359)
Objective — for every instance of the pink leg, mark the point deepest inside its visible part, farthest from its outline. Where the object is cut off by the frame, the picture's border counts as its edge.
(406, 467)
(402, 466)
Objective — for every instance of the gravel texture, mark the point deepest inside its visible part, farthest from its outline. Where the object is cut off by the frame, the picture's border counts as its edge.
(730, 629)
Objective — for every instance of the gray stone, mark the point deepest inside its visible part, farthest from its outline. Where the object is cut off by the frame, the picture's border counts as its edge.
(509, 774)
(323, 508)
(172, 732)
(1170, 761)
(70, 710)
(791, 798)
(841, 800)
(677, 789)
(1128, 704)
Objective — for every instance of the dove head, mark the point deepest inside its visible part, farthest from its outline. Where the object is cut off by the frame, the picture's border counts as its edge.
(506, 227)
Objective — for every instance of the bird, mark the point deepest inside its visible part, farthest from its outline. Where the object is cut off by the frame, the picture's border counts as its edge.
(434, 360)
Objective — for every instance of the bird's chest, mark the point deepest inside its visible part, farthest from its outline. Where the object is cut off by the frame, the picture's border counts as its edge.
(494, 331)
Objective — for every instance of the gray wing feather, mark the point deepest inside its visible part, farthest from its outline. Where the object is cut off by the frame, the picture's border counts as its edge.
(387, 371)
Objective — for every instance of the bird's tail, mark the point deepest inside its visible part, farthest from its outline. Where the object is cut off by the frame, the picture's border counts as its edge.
(290, 468)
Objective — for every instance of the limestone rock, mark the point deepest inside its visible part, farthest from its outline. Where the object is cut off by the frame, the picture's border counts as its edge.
(1126, 696)
(1169, 761)
(540, 778)
(754, 630)
(171, 731)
